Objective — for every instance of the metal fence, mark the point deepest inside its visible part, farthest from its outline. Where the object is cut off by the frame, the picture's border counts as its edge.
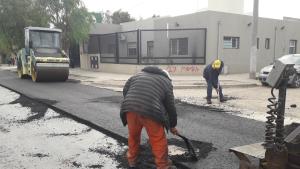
(151, 46)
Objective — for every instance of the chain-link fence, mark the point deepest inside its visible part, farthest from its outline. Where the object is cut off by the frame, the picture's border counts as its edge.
(155, 46)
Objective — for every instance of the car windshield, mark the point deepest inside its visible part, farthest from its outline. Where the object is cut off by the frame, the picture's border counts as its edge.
(43, 39)
(292, 59)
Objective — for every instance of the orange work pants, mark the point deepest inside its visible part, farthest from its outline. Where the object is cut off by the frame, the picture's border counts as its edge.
(156, 136)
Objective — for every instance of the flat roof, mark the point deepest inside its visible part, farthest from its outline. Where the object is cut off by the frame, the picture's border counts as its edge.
(43, 29)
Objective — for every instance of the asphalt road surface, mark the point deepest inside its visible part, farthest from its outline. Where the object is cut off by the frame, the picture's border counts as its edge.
(101, 107)
(34, 136)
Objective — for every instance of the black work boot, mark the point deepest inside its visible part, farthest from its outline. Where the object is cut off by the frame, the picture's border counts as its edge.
(208, 101)
(222, 99)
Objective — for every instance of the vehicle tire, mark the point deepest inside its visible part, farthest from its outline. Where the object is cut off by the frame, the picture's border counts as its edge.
(296, 81)
(34, 74)
(20, 70)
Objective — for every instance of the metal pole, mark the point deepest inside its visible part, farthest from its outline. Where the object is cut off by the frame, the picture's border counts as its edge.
(117, 57)
(138, 47)
(99, 50)
(167, 30)
(253, 51)
(280, 114)
(275, 44)
(205, 45)
(277, 157)
(218, 42)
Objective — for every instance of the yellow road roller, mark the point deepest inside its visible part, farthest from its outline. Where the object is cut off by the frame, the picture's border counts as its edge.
(42, 59)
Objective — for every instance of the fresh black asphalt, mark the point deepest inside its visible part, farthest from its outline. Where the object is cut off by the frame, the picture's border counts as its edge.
(101, 107)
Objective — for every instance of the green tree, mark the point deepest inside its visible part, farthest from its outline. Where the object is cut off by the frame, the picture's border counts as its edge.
(15, 15)
(107, 17)
(98, 16)
(69, 15)
(120, 16)
(72, 17)
(155, 16)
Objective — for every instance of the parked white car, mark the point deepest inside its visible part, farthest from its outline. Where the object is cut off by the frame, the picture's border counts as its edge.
(288, 59)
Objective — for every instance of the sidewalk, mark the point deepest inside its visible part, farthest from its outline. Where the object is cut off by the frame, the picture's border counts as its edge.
(246, 97)
(117, 81)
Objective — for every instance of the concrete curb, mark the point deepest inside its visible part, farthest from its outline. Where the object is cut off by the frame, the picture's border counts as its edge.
(191, 85)
(102, 85)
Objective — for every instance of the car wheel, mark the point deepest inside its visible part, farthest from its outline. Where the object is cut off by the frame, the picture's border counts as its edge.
(296, 81)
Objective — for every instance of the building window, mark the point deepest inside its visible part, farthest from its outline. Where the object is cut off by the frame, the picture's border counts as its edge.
(179, 46)
(131, 49)
(293, 47)
(257, 43)
(150, 46)
(267, 43)
(231, 42)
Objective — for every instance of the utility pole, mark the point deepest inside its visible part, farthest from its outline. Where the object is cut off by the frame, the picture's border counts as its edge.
(218, 42)
(253, 51)
(275, 37)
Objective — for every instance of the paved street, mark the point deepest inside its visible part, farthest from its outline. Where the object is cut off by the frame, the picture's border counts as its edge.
(101, 107)
(247, 97)
(34, 136)
(205, 84)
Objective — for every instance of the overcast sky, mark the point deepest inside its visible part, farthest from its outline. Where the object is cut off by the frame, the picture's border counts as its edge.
(146, 8)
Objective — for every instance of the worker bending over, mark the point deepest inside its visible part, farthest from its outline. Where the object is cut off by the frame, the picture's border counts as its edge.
(149, 102)
(211, 74)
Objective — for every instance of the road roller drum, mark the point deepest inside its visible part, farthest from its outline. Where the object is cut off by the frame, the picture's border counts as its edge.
(50, 72)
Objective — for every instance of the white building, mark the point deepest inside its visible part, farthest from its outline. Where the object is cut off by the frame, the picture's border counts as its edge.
(191, 40)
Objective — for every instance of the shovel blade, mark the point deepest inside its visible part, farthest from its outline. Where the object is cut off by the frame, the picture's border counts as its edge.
(190, 148)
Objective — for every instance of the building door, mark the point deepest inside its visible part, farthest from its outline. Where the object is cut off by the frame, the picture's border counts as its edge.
(74, 55)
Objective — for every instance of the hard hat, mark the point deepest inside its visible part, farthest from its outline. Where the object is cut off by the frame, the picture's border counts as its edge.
(216, 64)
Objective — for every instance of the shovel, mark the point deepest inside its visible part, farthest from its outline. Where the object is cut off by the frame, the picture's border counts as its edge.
(190, 148)
(218, 90)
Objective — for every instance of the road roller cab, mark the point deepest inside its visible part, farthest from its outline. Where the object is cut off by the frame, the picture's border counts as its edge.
(42, 58)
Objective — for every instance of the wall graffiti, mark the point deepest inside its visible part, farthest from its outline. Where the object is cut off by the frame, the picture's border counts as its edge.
(171, 69)
(182, 69)
(190, 69)
(94, 61)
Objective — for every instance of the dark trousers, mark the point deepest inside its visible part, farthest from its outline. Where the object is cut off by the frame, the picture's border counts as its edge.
(213, 84)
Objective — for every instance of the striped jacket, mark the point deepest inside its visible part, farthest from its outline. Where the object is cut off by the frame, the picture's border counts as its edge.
(150, 93)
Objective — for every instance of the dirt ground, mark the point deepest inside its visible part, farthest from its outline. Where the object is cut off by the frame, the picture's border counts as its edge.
(246, 102)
